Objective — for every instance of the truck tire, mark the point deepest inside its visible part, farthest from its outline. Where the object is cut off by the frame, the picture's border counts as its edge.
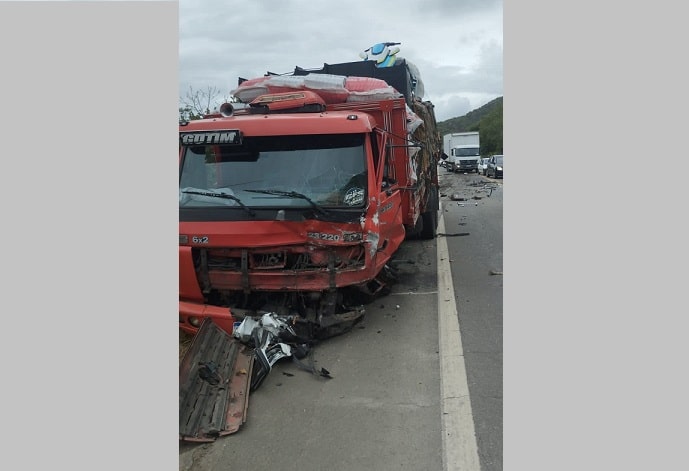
(429, 219)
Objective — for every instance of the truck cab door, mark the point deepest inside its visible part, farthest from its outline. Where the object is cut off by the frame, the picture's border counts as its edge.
(390, 226)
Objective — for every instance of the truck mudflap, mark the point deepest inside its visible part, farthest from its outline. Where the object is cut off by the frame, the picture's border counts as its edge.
(214, 381)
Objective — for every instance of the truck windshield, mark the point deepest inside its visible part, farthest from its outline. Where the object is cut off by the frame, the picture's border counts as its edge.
(268, 171)
(467, 152)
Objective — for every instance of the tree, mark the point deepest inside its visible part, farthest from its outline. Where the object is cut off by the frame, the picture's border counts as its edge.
(197, 103)
(491, 132)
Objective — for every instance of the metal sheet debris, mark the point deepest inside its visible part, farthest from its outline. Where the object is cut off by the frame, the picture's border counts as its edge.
(214, 379)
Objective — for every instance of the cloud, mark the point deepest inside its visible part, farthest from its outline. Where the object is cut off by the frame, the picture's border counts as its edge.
(457, 46)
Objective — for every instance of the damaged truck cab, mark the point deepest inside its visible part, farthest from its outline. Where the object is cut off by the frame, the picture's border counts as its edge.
(295, 205)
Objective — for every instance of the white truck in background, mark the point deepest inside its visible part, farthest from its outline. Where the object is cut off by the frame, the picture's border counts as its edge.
(462, 150)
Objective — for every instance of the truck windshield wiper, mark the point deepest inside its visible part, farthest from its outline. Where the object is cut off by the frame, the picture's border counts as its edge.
(293, 194)
(220, 194)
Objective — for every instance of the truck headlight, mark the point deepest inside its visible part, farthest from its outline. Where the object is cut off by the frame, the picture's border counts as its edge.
(499, 168)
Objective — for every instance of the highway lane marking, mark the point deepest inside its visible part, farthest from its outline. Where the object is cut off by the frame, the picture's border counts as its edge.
(460, 451)
(413, 292)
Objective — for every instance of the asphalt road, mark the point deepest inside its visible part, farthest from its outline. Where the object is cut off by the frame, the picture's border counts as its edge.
(383, 408)
(472, 208)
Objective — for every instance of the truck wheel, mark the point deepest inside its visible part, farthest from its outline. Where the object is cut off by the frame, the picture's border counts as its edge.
(429, 219)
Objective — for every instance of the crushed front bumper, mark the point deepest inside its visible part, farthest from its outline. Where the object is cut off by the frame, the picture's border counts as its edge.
(192, 315)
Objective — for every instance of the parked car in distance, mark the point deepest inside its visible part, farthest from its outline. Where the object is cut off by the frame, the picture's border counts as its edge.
(494, 168)
(482, 164)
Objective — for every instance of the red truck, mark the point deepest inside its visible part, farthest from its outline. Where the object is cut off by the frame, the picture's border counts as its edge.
(296, 201)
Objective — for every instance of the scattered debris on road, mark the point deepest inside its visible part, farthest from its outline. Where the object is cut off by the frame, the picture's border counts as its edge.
(275, 337)
(219, 369)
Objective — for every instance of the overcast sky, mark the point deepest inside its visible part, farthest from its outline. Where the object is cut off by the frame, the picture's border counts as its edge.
(456, 44)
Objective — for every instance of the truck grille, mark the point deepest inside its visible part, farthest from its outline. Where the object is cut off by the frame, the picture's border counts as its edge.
(267, 261)
(301, 258)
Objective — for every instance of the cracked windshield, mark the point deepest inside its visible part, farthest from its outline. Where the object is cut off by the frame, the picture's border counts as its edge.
(284, 171)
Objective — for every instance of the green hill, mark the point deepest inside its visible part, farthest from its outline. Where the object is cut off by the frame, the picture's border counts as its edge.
(487, 120)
